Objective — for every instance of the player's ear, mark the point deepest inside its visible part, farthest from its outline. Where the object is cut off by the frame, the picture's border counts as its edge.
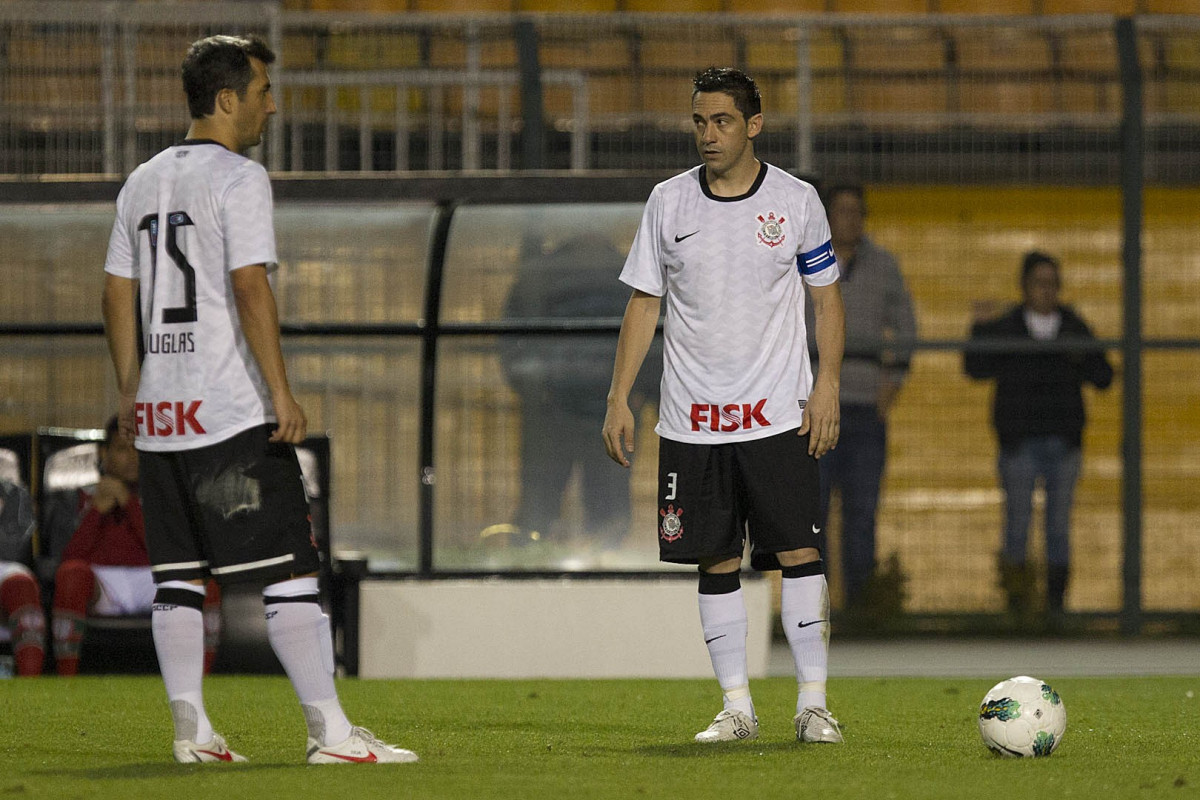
(225, 99)
(754, 126)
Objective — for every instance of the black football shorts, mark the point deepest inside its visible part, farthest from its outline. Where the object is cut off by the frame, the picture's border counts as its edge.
(234, 510)
(711, 496)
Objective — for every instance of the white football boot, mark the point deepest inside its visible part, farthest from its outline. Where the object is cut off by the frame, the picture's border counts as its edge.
(211, 752)
(817, 725)
(730, 725)
(360, 747)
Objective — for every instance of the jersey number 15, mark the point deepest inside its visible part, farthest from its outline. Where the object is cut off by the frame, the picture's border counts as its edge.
(175, 221)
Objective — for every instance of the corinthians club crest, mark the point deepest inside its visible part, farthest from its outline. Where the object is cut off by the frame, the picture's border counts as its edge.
(771, 232)
(670, 529)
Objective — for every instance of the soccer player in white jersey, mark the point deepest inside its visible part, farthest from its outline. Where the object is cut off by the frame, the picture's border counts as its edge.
(732, 245)
(193, 332)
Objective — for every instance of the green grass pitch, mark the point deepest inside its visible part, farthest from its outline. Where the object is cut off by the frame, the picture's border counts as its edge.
(109, 737)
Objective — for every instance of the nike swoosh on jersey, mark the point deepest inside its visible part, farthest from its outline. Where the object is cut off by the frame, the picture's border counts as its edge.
(679, 239)
(713, 639)
(806, 624)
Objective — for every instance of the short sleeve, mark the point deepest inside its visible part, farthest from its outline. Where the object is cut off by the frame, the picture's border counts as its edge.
(121, 246)
(816, 261)
(248, 219)
(644, 269)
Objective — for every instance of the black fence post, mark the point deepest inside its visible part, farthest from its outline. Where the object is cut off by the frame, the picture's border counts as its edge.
(1132, 184)
(430, 330)
(533, 139)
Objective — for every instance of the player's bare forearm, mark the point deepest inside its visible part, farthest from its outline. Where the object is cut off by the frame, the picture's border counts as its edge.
(119, 308)
(637, 332)
(260, 324)
(822, 414)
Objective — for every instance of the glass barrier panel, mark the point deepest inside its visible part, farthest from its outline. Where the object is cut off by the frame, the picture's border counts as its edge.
(365, 394)
(538, 261)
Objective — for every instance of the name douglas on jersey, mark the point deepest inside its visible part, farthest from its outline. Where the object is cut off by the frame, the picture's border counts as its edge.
(170, 343)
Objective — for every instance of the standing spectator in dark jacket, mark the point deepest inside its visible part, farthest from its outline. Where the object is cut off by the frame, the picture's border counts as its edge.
(562, 382)
(1039, 417)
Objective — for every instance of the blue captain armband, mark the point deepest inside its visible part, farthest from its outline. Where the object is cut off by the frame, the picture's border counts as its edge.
(815, 260)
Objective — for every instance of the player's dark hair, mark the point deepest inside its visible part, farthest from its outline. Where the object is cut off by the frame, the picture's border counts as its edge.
(220, 62)
(830, 194)
(733, 82)
(1034, 258)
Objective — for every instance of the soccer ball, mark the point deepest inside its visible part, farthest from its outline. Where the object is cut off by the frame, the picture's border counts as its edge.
(1022, 716)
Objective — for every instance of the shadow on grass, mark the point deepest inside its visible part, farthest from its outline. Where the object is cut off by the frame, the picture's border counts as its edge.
(157, 769)
(698, 750)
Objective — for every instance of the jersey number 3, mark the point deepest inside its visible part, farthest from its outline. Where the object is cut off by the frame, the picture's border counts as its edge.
(175, 221)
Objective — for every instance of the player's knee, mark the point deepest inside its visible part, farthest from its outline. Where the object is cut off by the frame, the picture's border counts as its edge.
(804, 555)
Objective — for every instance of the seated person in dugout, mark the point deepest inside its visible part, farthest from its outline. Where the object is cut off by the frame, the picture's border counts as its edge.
(20, 598)
(105, 567)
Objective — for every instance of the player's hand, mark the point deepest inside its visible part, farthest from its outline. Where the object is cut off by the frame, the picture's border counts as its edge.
(292, 425)
(822, 419)
(618, 432)
(110, 493)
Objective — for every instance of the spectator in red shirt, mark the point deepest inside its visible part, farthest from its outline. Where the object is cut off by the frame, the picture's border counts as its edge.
(105, 568)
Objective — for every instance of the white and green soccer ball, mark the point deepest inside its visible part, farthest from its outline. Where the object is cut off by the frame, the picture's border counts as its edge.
(1022, 717)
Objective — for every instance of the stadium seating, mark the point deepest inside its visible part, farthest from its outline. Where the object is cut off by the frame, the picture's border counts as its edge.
(775, 6)
(1090, 6)
(383, 6)
(568, 6)
(891, 7)
(463, 6)
(881, 6)
(1005, 7)
(1001, 51)
(1170, 7)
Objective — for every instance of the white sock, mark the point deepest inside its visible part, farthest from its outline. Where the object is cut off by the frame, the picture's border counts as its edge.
(804, 606)
(723, 617)
(179, 642)
(300, 636)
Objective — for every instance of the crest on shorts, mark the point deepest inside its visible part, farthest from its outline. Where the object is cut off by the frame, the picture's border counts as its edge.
(671, 527)
(770, 232)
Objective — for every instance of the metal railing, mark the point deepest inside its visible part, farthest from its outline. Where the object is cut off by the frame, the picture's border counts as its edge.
(93, 87)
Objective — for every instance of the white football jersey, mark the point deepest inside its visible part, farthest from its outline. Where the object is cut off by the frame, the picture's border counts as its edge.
(185, 220)
(733, 269)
